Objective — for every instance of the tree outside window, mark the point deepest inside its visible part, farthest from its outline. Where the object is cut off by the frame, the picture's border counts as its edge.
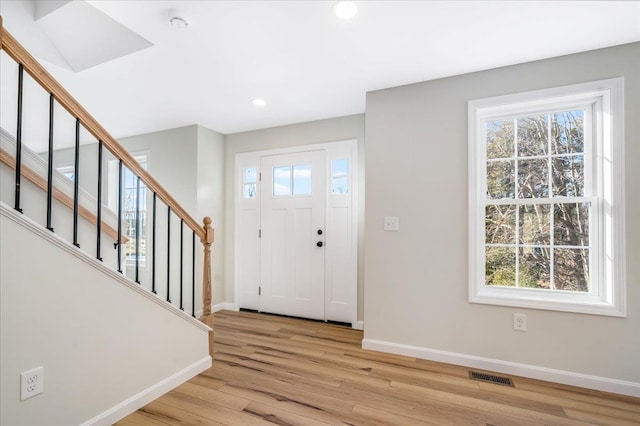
(539, 158)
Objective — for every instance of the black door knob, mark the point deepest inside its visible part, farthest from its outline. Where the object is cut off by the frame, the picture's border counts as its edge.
(319, 244)
(319, 231)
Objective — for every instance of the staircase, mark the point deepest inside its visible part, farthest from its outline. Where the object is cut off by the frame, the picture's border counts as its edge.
(103, 296)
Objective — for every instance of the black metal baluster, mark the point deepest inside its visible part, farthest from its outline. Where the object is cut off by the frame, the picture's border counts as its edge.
(50, 166)
(193, 274)
(168, 254)
(153, 248)
(19, 139)
(181, 254)
(137, 229)
(99, 206)
(119, 243)
(76, 187)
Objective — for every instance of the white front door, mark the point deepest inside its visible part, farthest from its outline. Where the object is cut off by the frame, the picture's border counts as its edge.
(283, 198)
(292, 243)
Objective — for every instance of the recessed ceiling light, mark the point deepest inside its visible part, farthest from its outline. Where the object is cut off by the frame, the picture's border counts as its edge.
(345, 9)
(178, 19)
(259, 102)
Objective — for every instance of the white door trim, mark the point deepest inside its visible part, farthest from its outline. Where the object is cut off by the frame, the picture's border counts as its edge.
(350, 145)
(302, 148)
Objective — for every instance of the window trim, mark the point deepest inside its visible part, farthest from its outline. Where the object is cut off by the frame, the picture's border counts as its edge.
(610, 299)
(65, 169)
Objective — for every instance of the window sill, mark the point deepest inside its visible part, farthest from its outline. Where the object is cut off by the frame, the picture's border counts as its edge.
(546, 300)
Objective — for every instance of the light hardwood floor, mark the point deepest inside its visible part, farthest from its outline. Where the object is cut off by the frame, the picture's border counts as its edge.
(274, 370)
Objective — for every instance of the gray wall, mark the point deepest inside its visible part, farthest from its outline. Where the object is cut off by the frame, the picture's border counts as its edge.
(416, 279)
(189, 163)
(335, 129)
(172, 160)
(210, 198)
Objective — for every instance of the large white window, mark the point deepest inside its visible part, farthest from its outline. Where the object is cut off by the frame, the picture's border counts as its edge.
(546, 199)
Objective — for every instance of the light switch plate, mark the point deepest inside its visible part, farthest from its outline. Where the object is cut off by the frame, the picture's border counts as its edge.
(391, 223)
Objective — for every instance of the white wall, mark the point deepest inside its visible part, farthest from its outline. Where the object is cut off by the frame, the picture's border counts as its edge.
(330, 130)
(416, 279)
(100, 341)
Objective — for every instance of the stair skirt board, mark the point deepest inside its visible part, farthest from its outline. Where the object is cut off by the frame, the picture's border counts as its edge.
(150, 394)
(53, 238)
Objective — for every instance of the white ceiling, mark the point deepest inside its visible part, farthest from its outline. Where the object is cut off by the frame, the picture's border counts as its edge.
(296, 55)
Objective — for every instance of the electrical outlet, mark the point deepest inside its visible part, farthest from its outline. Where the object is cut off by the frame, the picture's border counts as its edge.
(520, 322)
(31, 383)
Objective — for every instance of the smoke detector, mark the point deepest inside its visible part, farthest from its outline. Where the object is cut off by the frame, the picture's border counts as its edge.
(178, 19)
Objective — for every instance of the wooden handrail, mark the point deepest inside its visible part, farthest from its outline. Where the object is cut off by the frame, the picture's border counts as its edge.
(66, 200)
(39, 74)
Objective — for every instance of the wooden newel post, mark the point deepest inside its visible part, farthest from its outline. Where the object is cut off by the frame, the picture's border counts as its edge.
(207, 316)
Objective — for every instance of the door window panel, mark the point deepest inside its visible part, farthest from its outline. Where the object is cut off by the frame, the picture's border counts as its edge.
(302, 179)
(281, 181)
(250, 182)
(340, 176)
(291, 180)
(250, 175)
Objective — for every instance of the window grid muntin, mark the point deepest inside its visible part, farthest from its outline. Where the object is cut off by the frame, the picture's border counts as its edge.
(525, 245)
(535, 157)
(517, 245)
(589, 110)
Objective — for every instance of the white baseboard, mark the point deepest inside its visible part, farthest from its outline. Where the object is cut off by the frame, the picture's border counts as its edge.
(358, 325)
(506, 367)
(222, 306)
(141, 399)
(226, 306)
